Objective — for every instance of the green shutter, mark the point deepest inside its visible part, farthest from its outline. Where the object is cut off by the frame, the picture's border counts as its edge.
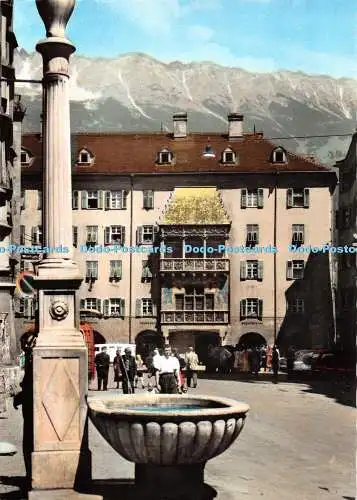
(106, 303)
(242, 309)
(100, 200)
(289, 270)
(260, 270)
(122, 307)
(84, 198)
(243, 270)
(107, 235)
(243, 198)
(306, 197)
(260, 309)
(260, 198)
(138, 308)
(289, 198)
(107, 200)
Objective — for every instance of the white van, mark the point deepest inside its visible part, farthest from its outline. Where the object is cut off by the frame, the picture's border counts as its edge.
(112, 349)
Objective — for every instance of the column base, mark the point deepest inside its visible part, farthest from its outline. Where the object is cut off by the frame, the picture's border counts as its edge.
(61, 495)
(181, 482)
(61, 470)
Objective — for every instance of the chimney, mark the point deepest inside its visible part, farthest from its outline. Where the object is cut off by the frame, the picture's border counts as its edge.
(180, 124)
(235, 125)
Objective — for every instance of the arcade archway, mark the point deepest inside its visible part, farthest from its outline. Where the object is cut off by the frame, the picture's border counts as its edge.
(251, 339)
(99, 338)
(146, 341)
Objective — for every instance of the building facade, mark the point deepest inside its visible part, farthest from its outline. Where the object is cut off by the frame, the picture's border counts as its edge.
(196, 239)
(346, 229)
(11, 116)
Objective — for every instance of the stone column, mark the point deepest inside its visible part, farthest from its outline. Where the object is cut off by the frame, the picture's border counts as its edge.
(60, 459)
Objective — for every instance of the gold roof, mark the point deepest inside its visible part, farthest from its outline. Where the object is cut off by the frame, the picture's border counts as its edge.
(198, 205)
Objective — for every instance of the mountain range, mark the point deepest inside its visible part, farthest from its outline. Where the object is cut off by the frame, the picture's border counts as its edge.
(135, 92)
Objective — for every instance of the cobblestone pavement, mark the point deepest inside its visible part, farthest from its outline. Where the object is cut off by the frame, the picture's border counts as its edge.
(296, 445)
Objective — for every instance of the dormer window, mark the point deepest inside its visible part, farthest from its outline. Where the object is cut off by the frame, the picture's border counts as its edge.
(229, 156)
(279, 156)
(165, 156)
(25, 158)
(85, 157)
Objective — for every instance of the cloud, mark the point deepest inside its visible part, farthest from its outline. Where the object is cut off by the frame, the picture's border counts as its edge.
(200, 33)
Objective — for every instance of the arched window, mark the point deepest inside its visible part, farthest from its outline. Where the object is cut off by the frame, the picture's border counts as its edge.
(229, 156)
(164, 156)
(85, 157)
(279, 155)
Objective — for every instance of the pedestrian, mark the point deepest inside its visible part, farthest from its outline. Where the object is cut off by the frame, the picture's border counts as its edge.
(129, 371)
(182, 363)
(275, 363)
(102, 363)
(254, 361)
(116, 367)
(192, 363)
(246, 360)
(269, 358)
(167, 373)
(139, 372)
(263, 354)
(149, 363)
(290, 361)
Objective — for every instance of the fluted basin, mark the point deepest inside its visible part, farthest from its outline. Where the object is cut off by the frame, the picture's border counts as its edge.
(168, 437)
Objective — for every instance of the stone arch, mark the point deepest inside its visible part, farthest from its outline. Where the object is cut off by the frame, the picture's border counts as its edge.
(251, 339)
(146, 341)
(99, 338)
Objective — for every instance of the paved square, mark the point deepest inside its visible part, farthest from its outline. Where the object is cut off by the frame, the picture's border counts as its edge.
(296, 445)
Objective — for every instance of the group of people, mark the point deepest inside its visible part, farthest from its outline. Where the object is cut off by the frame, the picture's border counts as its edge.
(168, 372)
(256, 358)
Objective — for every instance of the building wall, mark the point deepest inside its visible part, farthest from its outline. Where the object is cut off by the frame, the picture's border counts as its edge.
(313, 328)
(347, 264)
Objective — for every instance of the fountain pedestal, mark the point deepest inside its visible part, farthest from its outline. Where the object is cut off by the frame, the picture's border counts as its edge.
(178, 482)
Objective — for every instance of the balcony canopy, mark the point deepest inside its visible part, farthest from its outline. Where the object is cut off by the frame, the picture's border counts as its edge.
(196, 205)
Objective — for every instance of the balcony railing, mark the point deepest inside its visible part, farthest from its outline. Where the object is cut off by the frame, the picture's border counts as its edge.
(205, 317)
(193, 265)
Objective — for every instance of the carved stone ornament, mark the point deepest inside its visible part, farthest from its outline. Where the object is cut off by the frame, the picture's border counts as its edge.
(55, 15)
(59, 310)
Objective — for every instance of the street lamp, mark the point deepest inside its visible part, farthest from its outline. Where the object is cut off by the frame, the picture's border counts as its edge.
(60, 459)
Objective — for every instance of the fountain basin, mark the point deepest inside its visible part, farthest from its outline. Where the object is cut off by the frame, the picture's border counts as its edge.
(167, 429)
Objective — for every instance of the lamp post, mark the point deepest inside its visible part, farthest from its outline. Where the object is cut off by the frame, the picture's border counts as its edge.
(60, 458)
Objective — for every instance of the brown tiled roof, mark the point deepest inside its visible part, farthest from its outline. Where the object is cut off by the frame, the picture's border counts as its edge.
(137, 153)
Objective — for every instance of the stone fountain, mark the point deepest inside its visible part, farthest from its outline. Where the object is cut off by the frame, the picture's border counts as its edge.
(168, 437)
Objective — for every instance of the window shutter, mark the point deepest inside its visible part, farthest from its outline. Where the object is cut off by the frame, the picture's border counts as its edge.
(95, 271)
(154, 310)
(75, 235)
(260, 270)
(260, 308)
(39, 200)
(303, 235)
(106, 303)
(242, 308)
(75, 200)
(99, 305)
(22, 235)
(138, 308)
(289, 270)
(100, 200)
(107, 235)
(243, 270)
(289, 198)
(123, 199)
(155, 232)
(260, 198)
(306, 197)
(107, 200)
(84, 195)
(257, 233)
(139, 235)
(23, 199)
(34, 235)
(120, 270)
(243, 198)
(123, 235)
(122, 307)
(82, 304)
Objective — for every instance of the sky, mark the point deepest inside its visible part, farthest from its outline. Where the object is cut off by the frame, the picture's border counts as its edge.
(313, 36)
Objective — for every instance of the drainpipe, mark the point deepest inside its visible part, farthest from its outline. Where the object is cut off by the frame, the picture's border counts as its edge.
(131, 257)
(275, 254)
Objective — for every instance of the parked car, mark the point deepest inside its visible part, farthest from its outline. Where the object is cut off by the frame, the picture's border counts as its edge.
(304, 358)
(336, 362)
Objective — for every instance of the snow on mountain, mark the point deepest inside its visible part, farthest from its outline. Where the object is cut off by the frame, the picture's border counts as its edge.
(137, 92)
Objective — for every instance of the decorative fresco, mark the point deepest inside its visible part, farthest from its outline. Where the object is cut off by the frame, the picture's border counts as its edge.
(167, 296)
(199, 205)
(223, 293)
